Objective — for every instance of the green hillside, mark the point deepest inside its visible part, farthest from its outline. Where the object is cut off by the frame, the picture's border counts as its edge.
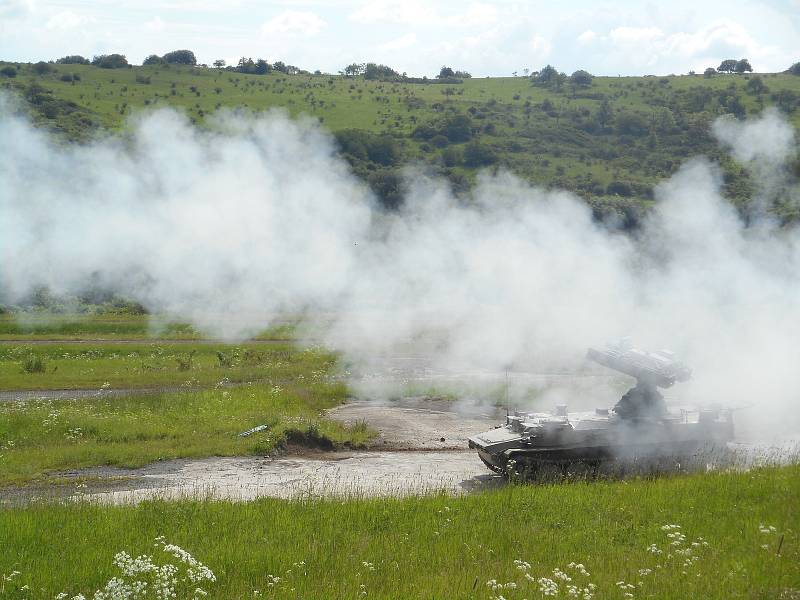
(609, 141)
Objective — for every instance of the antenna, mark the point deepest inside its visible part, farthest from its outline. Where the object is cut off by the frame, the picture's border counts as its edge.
(506, 395)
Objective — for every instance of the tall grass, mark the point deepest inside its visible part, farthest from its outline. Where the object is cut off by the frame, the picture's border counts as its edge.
(443, 547)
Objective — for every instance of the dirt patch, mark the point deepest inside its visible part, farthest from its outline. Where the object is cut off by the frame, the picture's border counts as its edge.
(338, 474)
(417, 423)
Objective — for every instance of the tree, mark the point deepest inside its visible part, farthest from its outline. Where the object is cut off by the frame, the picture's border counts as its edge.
(354, 70)
(743, 65)
(581, 77)
(604, 113)
(153, 59)
(110, 61)
(8, 72)
(380, 72)
(180, 57)
(262, 67)
(709, 72)
(219, 63)
(727, 66)
(446, 73)
(463, 75)
(549, 77)
(794, 69)
(75, 59)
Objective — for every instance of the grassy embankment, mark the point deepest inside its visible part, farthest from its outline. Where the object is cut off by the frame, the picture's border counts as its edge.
(610, 141)
(440, 547)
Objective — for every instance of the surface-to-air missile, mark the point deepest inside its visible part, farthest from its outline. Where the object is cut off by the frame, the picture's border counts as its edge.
(639, 426)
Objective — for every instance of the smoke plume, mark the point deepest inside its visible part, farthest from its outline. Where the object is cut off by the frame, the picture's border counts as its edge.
(255, 217)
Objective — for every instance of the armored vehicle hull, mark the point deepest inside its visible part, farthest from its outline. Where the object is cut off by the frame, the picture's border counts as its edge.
(535, 439)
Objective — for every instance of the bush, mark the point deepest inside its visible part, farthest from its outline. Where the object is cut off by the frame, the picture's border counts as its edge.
(75, 59)
(457, 128)
(631, 123)
(153, 59)
(34, 364)
(478, 155)
(581, 77)
(363, 145)
(439, 141)
(8, 72)
(142, 79)
(180, 57)
(794, 69)
(110, 61)
(42, 68)
(378, 72)
(387, 184)
(66, 77)
(451, 156)
(619, 188)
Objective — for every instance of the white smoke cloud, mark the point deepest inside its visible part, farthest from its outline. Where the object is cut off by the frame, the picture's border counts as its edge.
(257, 216)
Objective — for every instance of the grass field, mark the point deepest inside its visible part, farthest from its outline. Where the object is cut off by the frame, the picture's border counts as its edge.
(284, 387)
(731, 535)
(152, 365)
(610, 142)
(32, 325)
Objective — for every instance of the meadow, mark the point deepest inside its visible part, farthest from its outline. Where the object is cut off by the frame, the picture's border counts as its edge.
(717, 535)
(39, 437)
(200, 396)
(37, 325)
(610, 141)
(158, 364)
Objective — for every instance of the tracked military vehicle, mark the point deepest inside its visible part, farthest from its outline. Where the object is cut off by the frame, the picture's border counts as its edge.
(639, 426)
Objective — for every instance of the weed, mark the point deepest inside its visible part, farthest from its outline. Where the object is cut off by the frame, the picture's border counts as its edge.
(185, 362)
(34, 364)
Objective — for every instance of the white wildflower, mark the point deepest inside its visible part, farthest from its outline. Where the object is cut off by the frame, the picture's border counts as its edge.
(547, 587)
(559, 574)
(522, 565)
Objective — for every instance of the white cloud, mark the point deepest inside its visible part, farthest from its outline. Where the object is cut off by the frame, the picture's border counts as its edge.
(16, 9)
(635, 35)
(411, 12)
(66, 20)
(651, 47)
(294, 23)
(404, 41)
(587, 37)
(540, 48)
(477, 13)
(156, 24)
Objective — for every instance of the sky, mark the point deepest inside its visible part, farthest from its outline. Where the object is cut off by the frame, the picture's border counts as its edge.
(416, 36)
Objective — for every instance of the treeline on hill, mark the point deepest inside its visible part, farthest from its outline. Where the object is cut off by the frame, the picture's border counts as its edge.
(607, 139)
